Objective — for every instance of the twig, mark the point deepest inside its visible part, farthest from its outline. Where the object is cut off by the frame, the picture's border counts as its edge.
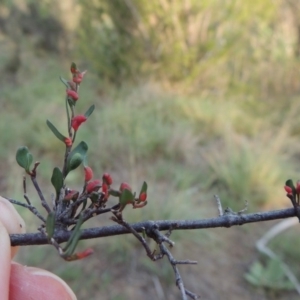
(30, 207)
(159, 238)
(25, 190)
(120, 221)
(224, 221)
(42, 198)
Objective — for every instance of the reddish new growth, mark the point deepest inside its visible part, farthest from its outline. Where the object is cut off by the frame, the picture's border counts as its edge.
(125, 185)
(77, 121)
(288, 190)
(143, 197)
(72, 94)
(107, 179)
(88, 174)
(78, 76)
(105, 191)
(68, 142)
(85, 253)
(93, 186)
(71, 195)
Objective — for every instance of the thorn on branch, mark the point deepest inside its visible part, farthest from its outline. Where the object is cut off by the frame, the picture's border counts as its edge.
(219, 204)
(244, 209)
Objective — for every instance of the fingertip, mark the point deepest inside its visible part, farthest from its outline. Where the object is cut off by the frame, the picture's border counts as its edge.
(33, 283)
(11, 220)
(4, 261)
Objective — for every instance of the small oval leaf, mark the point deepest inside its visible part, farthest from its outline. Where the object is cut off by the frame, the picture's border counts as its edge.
(126, 197)
(57, 180)
(24, 158)
(75, 161)
(114, 193)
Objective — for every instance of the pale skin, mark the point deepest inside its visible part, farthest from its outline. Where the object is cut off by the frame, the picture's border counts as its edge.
(18, 282)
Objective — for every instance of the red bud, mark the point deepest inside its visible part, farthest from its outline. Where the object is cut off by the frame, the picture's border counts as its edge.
(72, 195)
(143, 197)
(88, 174)
(68, 142)
(107, 179)
(105, 191)
(79, 255)
(72, 94)
(288, 189)
(77, 121)
(124, 186)
(93, 186)
(77, 78)
(84, 253)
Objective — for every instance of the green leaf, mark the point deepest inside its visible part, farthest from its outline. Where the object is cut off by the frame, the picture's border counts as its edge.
(77, 156)
(126, 197)
(65, 82)
(57, 180)
(50, 224)
(55, 131)
(75, 235)
(89, 111)
(85, 161)
(29, 161)
(75, 161)
(24, 158)
(73, 244)
(114, 193)
(144, 187)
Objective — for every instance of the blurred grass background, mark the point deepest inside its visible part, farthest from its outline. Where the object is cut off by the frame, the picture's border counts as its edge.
(195, 97)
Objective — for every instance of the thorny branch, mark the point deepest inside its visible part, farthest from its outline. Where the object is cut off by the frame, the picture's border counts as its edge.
(227, 220)
(153, 230)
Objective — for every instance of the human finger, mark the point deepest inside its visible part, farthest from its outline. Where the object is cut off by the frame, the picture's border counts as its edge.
(5, 255)
(29, 283)
(11, 220)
